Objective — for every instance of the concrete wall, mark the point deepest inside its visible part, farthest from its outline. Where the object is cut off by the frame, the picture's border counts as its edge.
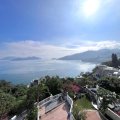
(70, 102)
(112, 114)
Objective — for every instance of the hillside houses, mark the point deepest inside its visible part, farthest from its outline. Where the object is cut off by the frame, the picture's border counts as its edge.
(105, 71)
(97, 94)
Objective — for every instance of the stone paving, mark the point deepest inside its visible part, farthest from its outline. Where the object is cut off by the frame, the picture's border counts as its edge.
(58, 113)
(92, 115)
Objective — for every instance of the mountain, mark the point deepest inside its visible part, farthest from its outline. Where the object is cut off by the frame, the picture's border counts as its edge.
(93, 56)
(20, 58)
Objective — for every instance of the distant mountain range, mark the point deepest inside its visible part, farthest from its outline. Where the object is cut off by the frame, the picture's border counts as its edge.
(20, 58)
(93, 56)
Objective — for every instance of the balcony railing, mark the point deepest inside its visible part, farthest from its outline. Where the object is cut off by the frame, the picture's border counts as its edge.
(53, 98)
(45, 101)
(112, 114)
(70, 102)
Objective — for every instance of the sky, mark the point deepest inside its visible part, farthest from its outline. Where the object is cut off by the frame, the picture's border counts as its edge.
(54, 28)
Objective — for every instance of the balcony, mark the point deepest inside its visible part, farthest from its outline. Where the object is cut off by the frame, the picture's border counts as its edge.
(56, 107)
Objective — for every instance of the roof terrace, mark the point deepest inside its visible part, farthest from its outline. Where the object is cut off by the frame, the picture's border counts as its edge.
(55, 107)
(58, 113)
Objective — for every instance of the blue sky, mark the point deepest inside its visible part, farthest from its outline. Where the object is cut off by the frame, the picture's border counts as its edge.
(64, 25)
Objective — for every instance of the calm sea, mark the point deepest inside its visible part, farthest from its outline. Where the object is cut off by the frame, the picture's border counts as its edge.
(25, 71)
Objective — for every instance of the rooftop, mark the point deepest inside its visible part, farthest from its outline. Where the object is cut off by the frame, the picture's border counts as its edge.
(92, 115)
(58, 113)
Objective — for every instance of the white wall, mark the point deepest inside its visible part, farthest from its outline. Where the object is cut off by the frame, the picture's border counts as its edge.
(113, 115)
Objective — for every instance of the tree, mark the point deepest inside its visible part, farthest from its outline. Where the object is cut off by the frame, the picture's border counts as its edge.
(108, 97)
(19, 90)
(42, 91)
(114, 61)
(31, 97)
(110, 83)
(32, 114)
(54, 84)
(36, 94)
(5, 86)
(104, 104)
(7, 102)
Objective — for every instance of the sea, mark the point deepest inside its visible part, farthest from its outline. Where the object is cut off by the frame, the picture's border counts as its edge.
(23, 72)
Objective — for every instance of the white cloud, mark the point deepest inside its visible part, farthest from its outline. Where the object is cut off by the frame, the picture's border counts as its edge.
(34, 48)
(45, 50)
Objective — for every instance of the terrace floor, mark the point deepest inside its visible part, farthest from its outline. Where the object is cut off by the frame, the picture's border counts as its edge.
(58, 113)
(92, 115)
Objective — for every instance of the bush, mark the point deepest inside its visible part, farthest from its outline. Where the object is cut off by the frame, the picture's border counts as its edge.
(32, 114)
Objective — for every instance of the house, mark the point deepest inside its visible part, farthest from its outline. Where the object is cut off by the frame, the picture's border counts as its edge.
(113, 110)
(105, 71)
(34, 82)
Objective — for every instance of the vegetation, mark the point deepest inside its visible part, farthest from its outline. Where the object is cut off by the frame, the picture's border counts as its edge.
(7, 102)
(79, 114)
(79, 108)
(83, 103)
(87, 79)
(54, 84)
(14, 99)
(32, 114)
(104, 104)
(108, 97)
(110, 83)
(115, 62)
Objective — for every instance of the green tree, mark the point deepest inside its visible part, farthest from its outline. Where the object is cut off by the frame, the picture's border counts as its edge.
(5, 86)
(19, 90)
(108, 97)
(114, 61)
(6, 103)
(32, 114)
(31, 97)
(36, 94)
(54, 84)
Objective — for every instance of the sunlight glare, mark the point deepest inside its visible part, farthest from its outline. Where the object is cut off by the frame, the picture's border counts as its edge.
(90, 7)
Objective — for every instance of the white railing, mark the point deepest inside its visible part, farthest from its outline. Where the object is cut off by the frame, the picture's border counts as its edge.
(45, 101)
(13, 118)
(70, 102)
(112, 114)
